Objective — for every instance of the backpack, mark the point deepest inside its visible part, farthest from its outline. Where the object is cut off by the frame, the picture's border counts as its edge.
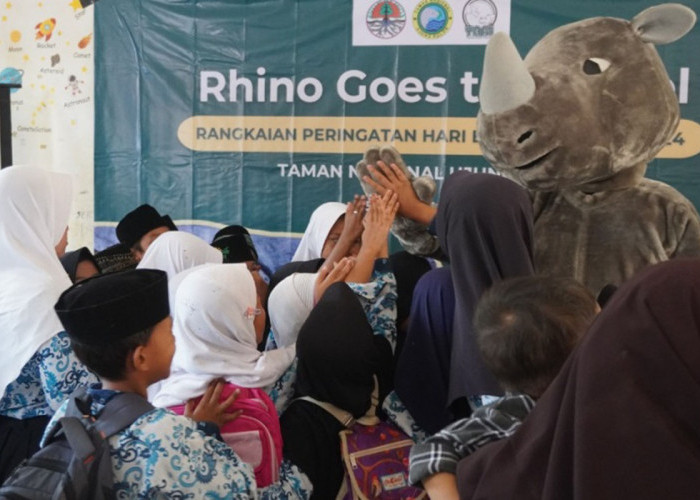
(255, 435)
(375, 454)
(376, 463)
(75, 461)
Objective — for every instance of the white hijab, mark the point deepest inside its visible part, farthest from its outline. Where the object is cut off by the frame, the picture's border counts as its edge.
(320, 225)
(175, 251)
(215, 336)
(289, 305)
(34, 210)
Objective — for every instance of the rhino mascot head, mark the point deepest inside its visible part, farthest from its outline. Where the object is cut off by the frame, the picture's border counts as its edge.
(576, 122)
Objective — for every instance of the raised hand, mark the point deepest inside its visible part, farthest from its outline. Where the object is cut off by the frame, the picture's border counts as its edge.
(386, 178)
(210, 409)
(328, 275)
(354, 214)
(348, 243)
(378, 221)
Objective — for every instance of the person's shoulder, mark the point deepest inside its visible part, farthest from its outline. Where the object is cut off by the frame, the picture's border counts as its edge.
(163, 424)
(162, 418)
(517, 406)
(174, 432)
(160, 443)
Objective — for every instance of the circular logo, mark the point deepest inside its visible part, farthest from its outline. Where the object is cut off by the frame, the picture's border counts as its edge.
(479, 17)
(386, 19)
(432, 18)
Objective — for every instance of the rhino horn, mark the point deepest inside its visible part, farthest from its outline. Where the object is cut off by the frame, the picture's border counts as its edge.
(505, 82)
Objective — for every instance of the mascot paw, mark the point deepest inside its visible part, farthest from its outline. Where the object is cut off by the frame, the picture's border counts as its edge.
(425, 188)
(370, 157)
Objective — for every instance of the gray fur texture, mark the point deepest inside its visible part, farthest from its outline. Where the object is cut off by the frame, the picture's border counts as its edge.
(603, 109)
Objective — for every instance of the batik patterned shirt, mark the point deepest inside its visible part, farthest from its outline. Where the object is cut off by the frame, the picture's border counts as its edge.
(397, 413)
(46, 380)
(163, 455)
(281, 392)
(378, 299)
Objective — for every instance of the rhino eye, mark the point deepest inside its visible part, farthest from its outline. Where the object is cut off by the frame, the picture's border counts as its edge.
(595, 65)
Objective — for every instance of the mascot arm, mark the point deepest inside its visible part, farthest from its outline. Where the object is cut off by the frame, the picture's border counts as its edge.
(686, 224)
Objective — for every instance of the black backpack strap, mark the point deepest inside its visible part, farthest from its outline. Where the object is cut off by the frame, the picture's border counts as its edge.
(78, 437)
(120, 412)
(79, 403)
(78, 407)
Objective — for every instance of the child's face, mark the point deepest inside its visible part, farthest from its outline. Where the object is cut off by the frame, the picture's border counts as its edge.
(140, 248)
(334, 236)
(160, 349)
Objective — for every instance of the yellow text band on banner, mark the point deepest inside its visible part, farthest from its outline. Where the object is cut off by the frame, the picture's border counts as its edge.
(323, 134)
(330, 134)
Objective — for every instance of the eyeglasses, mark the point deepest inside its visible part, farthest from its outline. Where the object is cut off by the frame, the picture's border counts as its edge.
(252, 312)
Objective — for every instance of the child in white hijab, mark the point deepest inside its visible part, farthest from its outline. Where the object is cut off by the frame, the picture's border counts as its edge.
(217, 321)
(176, 251)
(38, 369)
(320, 224)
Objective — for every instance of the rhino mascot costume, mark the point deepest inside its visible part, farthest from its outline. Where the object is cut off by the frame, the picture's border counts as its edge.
(576, 122)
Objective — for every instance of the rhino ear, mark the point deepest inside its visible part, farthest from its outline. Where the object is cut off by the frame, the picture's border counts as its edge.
(664, 23)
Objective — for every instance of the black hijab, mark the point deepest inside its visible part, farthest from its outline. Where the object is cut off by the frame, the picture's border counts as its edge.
(622, 418)
(484, 224)
(70, 261)
(423, 368)
(407, 269)
(337, 352)
(338, 357)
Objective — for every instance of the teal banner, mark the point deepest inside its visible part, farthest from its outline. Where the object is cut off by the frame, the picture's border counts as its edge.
(254, 113)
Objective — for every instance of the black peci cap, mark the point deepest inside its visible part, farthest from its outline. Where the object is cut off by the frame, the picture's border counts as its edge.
(118, 257)
(105, 308)
(139, 221)
(236, 244)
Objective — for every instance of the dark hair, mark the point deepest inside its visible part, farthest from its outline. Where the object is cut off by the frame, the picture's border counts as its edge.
(109, 360)
(527, 327)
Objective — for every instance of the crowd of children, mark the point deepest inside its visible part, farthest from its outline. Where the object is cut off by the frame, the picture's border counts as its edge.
(507, 380)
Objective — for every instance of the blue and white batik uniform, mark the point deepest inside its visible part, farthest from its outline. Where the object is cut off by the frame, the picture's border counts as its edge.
(166, 455)
(46, 380)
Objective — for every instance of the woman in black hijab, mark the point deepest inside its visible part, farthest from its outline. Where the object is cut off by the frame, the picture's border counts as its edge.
(339, 357)
(484, 224)
(622, 418)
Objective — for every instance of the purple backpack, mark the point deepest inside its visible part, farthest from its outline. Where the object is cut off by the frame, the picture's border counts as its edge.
(376, 463)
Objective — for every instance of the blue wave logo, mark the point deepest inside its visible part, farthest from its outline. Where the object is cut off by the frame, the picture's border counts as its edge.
(432, 19)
